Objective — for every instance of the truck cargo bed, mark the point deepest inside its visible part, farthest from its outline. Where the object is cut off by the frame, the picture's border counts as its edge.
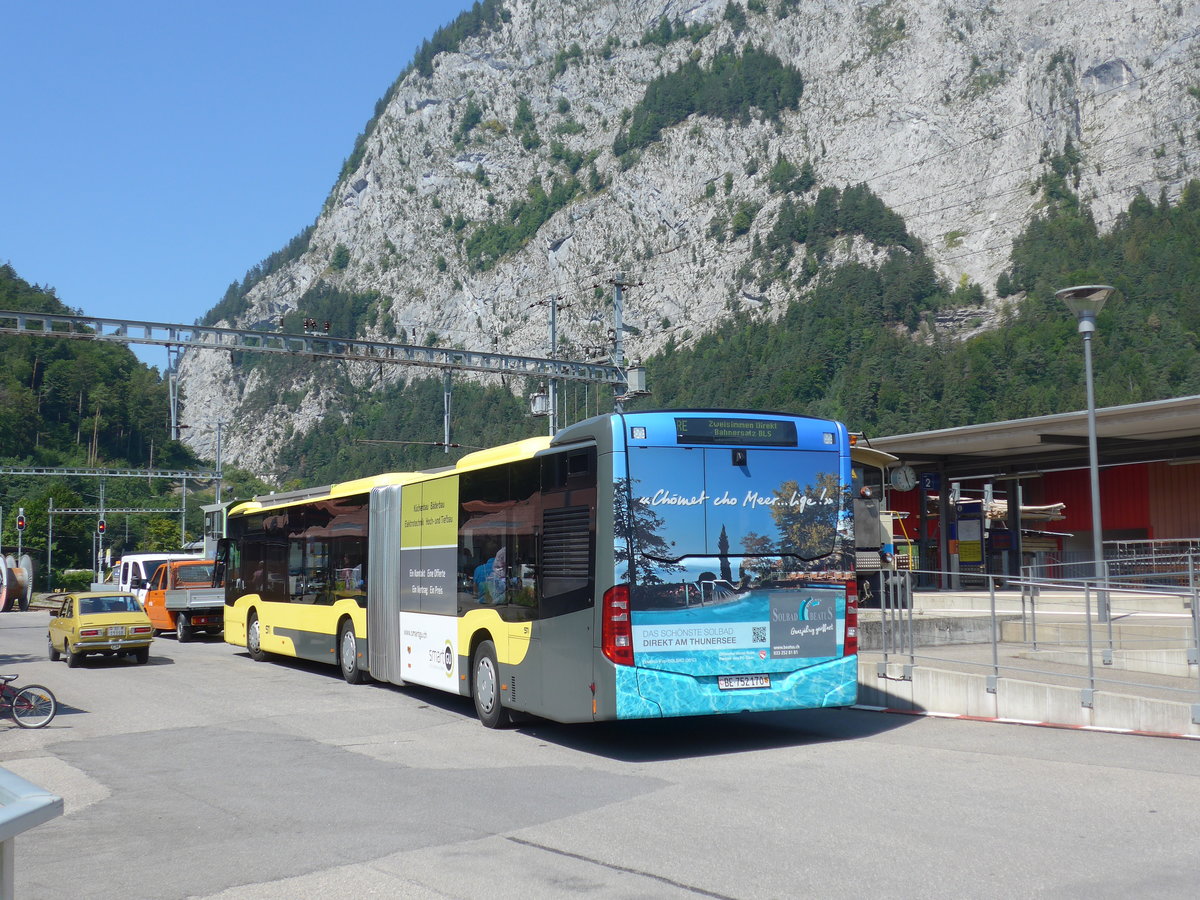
(194, 598)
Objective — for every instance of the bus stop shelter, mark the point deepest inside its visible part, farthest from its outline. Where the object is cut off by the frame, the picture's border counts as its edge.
(1148, 453)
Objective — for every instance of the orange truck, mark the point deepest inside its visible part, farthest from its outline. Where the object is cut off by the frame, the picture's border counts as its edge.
(182, 598)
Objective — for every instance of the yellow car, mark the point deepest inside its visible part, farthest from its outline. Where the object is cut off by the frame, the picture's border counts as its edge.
(108, 622)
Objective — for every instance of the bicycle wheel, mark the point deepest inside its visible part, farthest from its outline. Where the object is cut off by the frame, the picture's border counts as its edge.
(33, 706)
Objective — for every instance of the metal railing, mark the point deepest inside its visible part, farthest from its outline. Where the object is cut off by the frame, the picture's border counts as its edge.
(1048, 630)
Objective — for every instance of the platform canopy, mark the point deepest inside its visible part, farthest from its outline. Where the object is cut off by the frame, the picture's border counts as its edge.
(1163, 430)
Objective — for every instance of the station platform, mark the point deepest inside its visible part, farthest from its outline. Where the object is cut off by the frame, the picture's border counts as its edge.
(1031, 661)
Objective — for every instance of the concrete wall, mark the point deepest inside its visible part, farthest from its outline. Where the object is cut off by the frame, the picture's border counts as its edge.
(931, 631)
(897, 686)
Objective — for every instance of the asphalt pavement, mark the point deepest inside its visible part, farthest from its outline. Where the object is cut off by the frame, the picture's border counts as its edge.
(206, 775)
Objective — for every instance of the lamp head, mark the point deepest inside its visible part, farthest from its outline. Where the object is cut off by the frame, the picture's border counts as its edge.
(1085, 301)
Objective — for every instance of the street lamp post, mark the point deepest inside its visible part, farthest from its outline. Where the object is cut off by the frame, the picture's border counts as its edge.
(221, 423)
(1086, 301)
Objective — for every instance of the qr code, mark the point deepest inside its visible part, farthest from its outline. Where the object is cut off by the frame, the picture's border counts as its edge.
(760, 634)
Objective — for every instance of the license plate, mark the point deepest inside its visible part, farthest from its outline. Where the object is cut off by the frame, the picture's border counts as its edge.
(741, 682)
(116, 630)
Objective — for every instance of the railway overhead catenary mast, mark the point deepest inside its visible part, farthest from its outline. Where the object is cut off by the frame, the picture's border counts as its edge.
(205, 337)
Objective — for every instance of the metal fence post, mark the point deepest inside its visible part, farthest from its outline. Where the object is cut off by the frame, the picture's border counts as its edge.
(1108, 605)
(911, 634)
(1194, 650)
(995, 677)
(1090, 692)
(1193, 654)
(1026, 580)
(885, 601)
(1033, 617)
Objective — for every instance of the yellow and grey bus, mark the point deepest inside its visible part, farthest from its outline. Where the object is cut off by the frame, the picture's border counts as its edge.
(634, 565)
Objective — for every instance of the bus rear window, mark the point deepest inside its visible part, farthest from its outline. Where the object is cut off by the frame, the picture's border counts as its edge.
(699, 501)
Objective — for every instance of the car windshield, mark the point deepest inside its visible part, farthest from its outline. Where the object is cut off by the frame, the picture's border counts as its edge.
(116, 604)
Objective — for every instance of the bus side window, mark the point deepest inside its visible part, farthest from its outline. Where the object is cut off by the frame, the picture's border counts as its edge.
(499, 511)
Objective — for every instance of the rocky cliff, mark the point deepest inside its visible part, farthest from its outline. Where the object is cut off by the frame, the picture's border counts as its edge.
(951, 112)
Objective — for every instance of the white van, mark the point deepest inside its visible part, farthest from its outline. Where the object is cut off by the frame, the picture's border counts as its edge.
(134, 571)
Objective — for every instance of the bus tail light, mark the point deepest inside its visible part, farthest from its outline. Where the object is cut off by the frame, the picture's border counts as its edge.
(850, 647)
(616, 634)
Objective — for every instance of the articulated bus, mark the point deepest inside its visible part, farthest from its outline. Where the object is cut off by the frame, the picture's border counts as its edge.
(634, 565)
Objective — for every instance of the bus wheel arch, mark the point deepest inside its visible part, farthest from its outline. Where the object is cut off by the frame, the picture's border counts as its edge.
(347, 652)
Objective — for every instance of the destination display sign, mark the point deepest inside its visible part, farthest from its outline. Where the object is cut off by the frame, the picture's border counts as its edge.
(735, 432)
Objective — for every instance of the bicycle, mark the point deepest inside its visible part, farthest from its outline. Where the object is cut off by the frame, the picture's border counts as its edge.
(31, 706)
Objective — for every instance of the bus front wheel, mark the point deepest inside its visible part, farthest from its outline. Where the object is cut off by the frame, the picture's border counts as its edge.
(348, 654)
(254, 638)
(485, 687)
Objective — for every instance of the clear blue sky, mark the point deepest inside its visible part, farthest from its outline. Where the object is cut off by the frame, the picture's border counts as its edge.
(151, 152)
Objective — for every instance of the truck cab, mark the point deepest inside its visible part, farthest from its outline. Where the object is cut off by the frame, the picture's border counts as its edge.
(183, 598)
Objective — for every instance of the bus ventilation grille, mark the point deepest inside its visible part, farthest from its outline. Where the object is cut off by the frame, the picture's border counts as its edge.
(566, 542)
(512, 688)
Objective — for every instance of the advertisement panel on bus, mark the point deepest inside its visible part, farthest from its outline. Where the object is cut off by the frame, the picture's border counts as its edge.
(737, 560)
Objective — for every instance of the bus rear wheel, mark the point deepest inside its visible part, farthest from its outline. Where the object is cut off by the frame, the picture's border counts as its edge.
(485, 687)
(348, 654)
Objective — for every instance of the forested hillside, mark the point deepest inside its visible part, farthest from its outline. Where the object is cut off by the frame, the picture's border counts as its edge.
(863, 345)
(864, 348)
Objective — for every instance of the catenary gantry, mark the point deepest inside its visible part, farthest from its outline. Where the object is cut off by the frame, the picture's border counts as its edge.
(206, 337)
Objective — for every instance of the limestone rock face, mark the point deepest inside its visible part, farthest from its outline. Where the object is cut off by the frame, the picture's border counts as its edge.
(949, 110)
